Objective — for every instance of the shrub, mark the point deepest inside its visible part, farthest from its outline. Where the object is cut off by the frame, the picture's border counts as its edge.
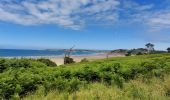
(47, 62)
(117, 67)
(2, 65)
(79, 74)
(66, 74)
(16, 63)
(74, 85)
(84, 60)
(107, 77)
(129, 53)
(139, 53)
(148, 66)
(91, 75)
(114, 68)
(118, 80)
(59, 84)
(68, 60)
(127, 74)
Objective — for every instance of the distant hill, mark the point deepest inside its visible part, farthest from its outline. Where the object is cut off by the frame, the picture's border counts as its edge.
(79, 50)
(136, 51)
(120, 51)
(139, 50)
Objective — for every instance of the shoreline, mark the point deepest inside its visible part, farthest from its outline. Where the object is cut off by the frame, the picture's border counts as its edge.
(50, 56)
(59, 60)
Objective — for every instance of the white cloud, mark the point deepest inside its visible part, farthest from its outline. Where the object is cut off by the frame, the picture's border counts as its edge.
(160, 20)
(134, 6)
(76, 14)
(67, 13)
(148, 15)
(154, 20)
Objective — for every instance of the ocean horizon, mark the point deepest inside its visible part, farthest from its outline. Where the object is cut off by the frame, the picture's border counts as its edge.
(17, 53)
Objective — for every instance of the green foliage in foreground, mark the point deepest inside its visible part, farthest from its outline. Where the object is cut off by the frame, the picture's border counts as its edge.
(138, 89)
(17, 80)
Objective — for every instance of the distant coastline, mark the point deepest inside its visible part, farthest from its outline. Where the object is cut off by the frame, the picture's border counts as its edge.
(48, 53)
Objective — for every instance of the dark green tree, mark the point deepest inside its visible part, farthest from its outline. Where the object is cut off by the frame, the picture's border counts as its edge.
(168, 49)
(150, 47)
(129, 53)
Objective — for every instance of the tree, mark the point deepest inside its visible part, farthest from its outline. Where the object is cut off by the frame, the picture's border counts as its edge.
(129, 53)
(67, 58)
(150, 47)
(168, 49)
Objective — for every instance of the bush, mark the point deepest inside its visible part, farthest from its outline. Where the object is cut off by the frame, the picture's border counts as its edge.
(84, 60)
(107, 77)
(58, 84)
(139, 53)
(74, 85)
(90, 75)
(118, 80)
(66, 74)
(2, 65)
(68, 60)
(47, 62)
(16, 63)
(148, 66)
(129, 53)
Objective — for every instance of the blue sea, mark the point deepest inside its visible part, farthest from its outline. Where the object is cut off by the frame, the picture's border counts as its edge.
(41, 53)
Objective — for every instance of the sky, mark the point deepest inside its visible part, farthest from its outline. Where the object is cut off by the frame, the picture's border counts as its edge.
(87, 24)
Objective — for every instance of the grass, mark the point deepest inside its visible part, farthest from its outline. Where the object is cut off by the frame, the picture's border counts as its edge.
(136, 89)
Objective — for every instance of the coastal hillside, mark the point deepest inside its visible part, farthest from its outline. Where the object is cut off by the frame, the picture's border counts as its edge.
(121, 78)
(84, 49)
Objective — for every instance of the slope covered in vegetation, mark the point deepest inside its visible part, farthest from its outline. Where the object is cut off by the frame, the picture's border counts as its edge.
(137, 77)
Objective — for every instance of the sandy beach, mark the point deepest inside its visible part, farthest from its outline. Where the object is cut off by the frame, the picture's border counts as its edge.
(60, 60)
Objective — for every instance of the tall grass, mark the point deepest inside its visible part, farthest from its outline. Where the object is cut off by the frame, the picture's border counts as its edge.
(138, 89)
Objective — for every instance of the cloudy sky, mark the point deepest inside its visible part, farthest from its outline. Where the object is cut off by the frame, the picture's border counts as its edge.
(89, 24)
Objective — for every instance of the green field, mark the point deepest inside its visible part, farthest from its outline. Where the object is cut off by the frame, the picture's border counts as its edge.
(145, 77)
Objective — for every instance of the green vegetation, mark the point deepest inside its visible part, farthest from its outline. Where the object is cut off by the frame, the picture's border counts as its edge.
(137, 89)
(168, 49)
(124, 78)
(68, 60)
(150, 47)
(129, 53)
(85, 60)
(6, 64)
(47, 62)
